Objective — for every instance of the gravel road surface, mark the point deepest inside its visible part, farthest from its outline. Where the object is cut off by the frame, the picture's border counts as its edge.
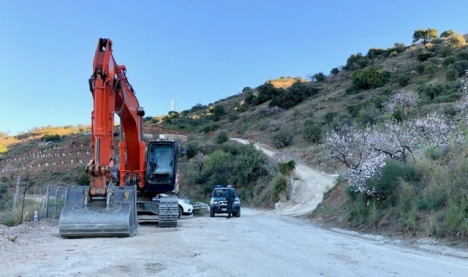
(259, 243)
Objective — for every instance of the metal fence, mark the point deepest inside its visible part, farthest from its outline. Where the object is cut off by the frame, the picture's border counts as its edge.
(54, 200)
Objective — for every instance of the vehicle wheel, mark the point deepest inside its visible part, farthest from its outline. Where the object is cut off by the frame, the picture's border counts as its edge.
(212, 214)
(180, 212)
(238, 213)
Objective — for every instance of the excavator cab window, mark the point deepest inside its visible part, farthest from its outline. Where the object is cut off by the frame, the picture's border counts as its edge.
(161, 163)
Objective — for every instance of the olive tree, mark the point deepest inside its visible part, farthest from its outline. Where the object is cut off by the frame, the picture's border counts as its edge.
(425, 35)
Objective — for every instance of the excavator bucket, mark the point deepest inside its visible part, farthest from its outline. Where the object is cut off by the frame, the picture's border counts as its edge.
(112, 217)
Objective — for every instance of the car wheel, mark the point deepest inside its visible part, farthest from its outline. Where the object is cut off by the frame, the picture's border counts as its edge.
(180, 212)
(212, 213)
(238, 213)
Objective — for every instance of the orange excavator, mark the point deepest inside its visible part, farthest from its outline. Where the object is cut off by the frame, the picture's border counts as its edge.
(126, 188)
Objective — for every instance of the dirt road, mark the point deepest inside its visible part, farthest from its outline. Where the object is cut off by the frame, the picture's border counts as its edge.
(306, 191)
(260, 243)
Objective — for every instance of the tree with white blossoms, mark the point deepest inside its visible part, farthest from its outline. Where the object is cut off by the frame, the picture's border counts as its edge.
(401, 101)
(364, 151)
(462, 115)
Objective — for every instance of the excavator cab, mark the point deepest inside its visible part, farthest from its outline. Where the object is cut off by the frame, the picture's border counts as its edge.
(161, 166)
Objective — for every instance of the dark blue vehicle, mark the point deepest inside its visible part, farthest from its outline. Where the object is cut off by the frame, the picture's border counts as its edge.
(218, 203)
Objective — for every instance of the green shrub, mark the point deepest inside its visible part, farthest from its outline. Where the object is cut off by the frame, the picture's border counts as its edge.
(451, 74)
(352, 89)
(368, 116)
(446, 51)
(420, 68)
(354, 109)
(282, 139)
(432, 90)
(312, 132)
(375, 52)
(279, 188)
(455, 219)
(221, 137)
(328, 117)
(387, 184)
(370, 78)
(449, 60)
(431, 70)
(210, 128)
(449, 98)
(51, 138)
(424, 55)
(356, 61)
(461, 67)
(294, 95)
(463, 55)
(335, 71)
(341, 120)
(83, 179)
(403, 80)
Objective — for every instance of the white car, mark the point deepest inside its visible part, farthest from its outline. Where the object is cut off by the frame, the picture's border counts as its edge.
(185, 208)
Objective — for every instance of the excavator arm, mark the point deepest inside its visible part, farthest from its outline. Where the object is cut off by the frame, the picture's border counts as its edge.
(103, 208)
(112, 93)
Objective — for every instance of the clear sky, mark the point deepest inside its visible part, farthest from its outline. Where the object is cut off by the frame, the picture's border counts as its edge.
(193, 51)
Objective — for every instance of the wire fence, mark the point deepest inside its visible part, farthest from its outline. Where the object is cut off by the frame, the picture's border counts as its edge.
(54, 200)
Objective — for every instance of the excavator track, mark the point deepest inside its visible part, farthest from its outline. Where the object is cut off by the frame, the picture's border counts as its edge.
(112, 217)
(168, 213)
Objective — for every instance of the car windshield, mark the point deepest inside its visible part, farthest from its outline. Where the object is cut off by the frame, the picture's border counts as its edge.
(222, 192)
(219, 192)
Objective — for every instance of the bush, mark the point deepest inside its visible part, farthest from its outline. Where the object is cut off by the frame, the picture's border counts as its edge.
(420, 68)
(312, 132)
(328, 117)
(424, 55)
(354, 109)
(3, 149)
(356, 61)
(370, 78)
(294, 95)
(446, 51)
(463, 55)
(210, 128)
(368, 116)
(461, 67)
(430, 70)
(449, 60)
(375, 52)
(279, 188)
(458, 40)
(451, 74)
(282, 139)
(432, 90)
(335, 71)
(319, 77)
(221, 137)
(387, 184)
(403, 80)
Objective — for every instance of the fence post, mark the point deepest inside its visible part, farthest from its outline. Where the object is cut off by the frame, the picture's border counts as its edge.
(56, 202)
(45, 204)
(15, 199)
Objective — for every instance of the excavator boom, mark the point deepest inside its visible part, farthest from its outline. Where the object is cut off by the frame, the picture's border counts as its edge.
(107, 207)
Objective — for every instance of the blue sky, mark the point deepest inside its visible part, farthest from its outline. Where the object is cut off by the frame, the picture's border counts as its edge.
(194, 51)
